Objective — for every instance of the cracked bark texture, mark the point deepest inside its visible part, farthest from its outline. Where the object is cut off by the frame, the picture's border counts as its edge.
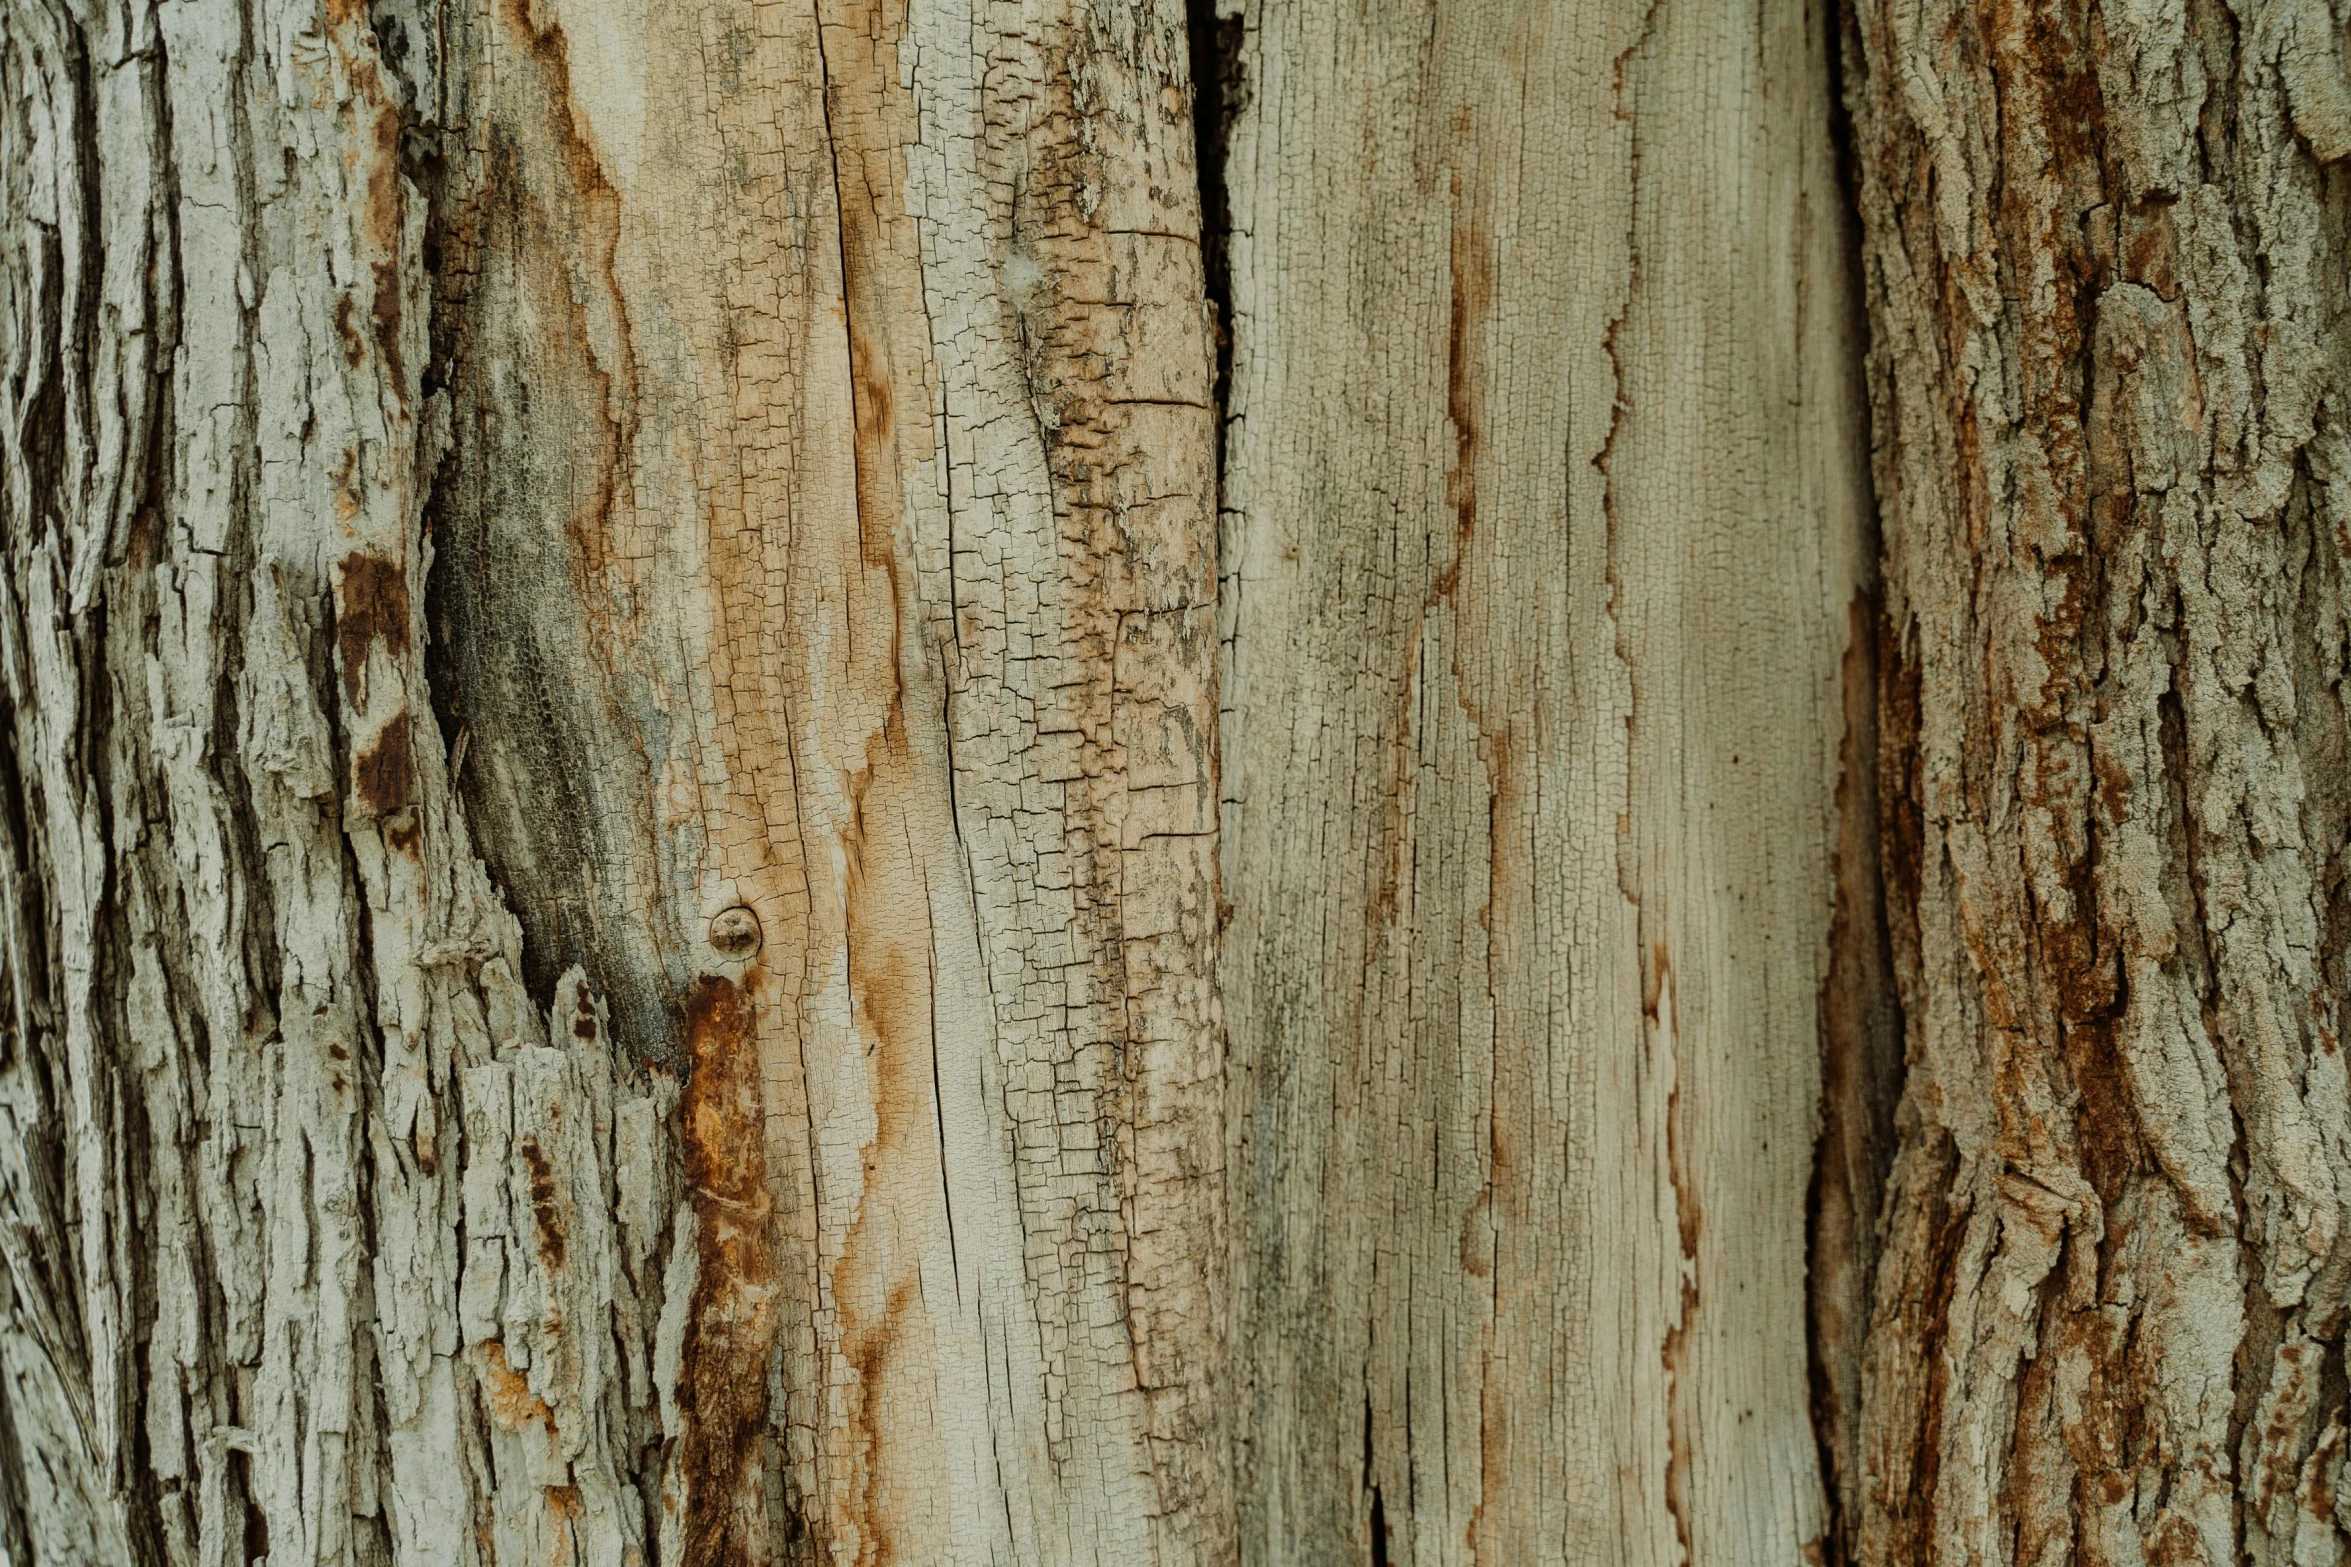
(2110, 357)
(1545, 515)
(607, 896)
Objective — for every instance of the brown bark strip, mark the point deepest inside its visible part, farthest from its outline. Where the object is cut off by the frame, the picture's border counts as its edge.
(2108, 368)
(728, 1443)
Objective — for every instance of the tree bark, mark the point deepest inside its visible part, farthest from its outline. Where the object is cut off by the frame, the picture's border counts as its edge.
(1544, 520)
(672, 890)
(2108, 373)
(610, 899)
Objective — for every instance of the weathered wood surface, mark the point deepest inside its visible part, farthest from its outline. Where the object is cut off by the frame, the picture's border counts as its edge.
(2105, 269)
(1545, 514)
(607, 649)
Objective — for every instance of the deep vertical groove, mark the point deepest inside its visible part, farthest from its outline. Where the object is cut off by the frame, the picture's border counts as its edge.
(1218, 91)
(1860, 1007)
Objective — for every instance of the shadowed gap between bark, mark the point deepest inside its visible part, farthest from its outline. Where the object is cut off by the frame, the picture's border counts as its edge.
(1861, 1021)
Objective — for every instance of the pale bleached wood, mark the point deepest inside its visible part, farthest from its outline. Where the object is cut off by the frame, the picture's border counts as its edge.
(1545, 516)
(732, 486)
(2105, 275)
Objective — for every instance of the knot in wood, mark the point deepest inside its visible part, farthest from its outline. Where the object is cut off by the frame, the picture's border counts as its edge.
(735, 933)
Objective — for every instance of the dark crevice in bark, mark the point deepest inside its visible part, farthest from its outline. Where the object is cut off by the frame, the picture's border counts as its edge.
(1861, 1080)
(148, 1502)
(28, 960)
(15, 1540)
(143, 1499)
(1861, 1017)
(255, 1533)
(520, 674)
(1219, 90)
(24, 1009)
(82, 351)
(114, 730)
(264, 961)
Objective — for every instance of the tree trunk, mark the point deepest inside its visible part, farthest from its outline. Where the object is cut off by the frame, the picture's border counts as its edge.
(609, 652)
(2104, 268)
(673, 891)
(1545, 515)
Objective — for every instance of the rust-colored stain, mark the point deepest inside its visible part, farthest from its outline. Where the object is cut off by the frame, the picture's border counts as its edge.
(1901, 820)
(512, 1403)
(543, 1205)
(870, 1348)
(1472, 269)
(386, 310)
(403, 832)
(1662, 1008)
(1476, 1246)
(893, 998)
(371, 605)
(384, 216)
(726, 1448)
(384, 775)
(889, 956)
(586, 226)
(875, 1286)
(347, 331)
(387, 215)
(2105, 1121)
(871, 395)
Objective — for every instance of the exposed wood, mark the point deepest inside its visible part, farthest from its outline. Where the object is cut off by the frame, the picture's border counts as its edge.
(732, 487)
(1544, 522)
(2105, 273)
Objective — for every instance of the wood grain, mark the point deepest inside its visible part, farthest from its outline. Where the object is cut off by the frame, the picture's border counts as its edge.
(1545, 514)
